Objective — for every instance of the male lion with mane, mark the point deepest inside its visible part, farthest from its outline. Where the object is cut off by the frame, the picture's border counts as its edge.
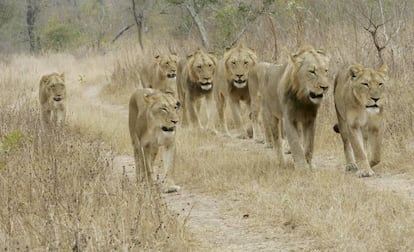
(358, 94)
(160, 73)
(52, 96)
(231, 80)
(290, 98)
(153, 116)
(194, 82)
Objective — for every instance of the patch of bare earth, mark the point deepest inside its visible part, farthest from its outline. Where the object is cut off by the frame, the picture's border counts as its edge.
(211, 218)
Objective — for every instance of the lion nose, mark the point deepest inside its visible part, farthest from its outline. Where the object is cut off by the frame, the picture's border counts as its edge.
(375, 99)
(239, 75)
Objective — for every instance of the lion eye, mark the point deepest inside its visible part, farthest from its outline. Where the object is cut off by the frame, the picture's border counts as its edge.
(326, 70)
(164, 110)
(210, 65)
(177, 105)
(199, 66)
(233, 62)
(312, 71)
(364, 84)
(380, 84)
(246, 62)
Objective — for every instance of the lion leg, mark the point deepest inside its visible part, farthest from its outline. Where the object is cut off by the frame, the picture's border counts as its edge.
(185, 104)
(254, 116)
(357, 143)
(210, 112)
(277, 140)
(191, 104)
(237, 119)
(267, 128)
(293, 136)
(349, 153)
(375, 141)
(309, 140)
(139, 162)
(168, 185)
(60, 115)
(46, 116)
(221, 106)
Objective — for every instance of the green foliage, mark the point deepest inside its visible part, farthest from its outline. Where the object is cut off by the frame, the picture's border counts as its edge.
(7, 9)
(13, 141)
(58, 36)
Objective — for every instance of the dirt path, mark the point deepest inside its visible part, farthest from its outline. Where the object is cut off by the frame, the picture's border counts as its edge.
(216, 228)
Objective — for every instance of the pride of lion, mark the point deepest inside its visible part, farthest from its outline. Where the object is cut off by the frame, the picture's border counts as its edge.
(285, 96)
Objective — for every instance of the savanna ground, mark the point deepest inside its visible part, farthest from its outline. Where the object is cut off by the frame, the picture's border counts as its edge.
(74, 189)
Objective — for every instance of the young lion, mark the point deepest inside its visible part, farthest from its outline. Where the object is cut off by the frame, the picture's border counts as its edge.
(291, 96)
(195, 82)
(231, 79)
(52, 95)
(153, 117)
(358, 97)
(161, 73)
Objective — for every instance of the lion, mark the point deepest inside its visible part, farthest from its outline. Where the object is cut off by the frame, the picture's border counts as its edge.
(153, 117)
(194, 82)
(291, 96)
(358, 96)
(52, 96)
(161, 73)
(231, 80)
(257, 79)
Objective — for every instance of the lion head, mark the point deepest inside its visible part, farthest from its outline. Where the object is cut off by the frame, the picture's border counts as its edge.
(167, 65)
(55, 88)
(367, 85)
(309, 76)
(202, 67)
(238, 61)
(162, 111)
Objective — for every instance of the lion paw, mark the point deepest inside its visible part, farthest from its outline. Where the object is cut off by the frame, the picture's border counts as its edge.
(365, 173)
(351, 167)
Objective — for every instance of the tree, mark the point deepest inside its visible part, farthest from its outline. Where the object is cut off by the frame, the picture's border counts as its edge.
(139, 7)
(33, 8)
(194, 8)
(374, 18)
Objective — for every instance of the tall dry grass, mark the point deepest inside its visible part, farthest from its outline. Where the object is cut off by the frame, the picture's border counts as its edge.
(59, 189)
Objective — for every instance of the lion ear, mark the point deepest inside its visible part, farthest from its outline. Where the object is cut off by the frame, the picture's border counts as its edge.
(383, 69)
(295, 58)
(62, 76)
(355, 70)
(149, 98)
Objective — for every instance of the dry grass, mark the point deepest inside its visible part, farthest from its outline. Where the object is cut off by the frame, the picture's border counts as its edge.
(59, 191)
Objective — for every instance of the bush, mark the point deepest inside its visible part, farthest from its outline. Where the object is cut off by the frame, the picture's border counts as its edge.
(58, 36)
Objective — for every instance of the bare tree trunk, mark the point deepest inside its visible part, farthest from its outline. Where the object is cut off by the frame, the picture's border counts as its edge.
(138, 17)
(32, 10)
(199, 23)
(273, 29)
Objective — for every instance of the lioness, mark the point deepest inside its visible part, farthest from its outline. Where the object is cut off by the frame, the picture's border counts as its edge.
(358, 97)
(161, 73)
(153, 117)
(257, 80)
(52, 95)
(231, 80)
(195, 81)
(291, 96)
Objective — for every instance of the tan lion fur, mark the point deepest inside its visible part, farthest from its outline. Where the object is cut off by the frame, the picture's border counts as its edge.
(153, 116)
(52, 97)
(160, 73)
(231, 85)
(194, 82)
(291, 97)
(359, 100)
